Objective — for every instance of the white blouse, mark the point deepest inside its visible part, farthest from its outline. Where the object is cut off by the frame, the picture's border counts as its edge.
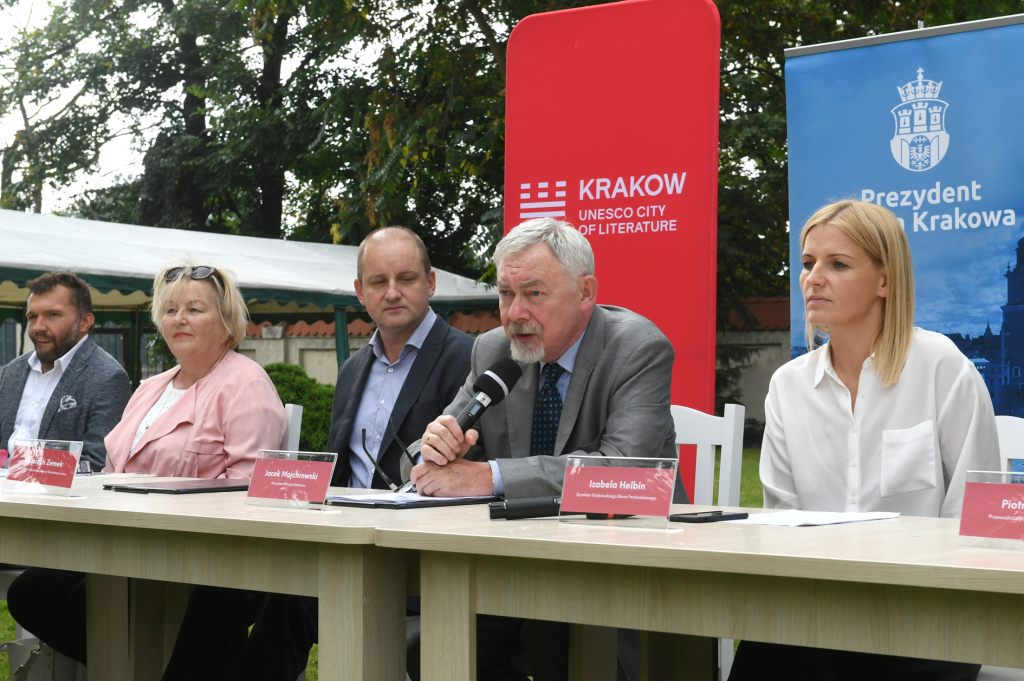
(906, 448)
(167, 399)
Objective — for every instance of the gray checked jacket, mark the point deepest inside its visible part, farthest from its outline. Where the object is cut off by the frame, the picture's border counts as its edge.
(86, 404)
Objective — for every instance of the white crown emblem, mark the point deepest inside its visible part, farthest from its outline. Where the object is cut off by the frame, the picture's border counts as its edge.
(920, 140)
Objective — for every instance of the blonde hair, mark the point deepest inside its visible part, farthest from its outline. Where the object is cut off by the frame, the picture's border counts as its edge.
(877, 231)
(226, 296)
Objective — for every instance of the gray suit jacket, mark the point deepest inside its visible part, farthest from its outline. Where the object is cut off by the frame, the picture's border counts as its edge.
(617, 404)
(94, 390)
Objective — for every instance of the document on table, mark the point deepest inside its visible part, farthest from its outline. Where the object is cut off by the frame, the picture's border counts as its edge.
(796, 518)
(402, 500)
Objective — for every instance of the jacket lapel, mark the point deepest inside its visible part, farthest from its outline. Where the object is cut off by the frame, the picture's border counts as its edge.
(520, 411)
(14, 379)
(67, 379)
(426, 358)
(586, 359)
(364, 361)
(183, 411)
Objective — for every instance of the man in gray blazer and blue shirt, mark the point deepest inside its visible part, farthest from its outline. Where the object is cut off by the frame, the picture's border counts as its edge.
(68, 388)
(596, 380)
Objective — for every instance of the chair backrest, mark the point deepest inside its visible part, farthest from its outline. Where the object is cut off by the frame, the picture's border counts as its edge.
(706, 431)
(1011, 439)
(290, 441)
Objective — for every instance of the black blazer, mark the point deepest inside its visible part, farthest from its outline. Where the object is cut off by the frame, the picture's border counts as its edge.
(440, 369)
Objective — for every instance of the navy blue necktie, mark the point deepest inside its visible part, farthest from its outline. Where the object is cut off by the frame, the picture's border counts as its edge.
(546, 412)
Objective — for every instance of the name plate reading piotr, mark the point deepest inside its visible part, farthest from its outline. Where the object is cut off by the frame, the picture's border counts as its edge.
(617, 490)
(993, 510)
(297, 479)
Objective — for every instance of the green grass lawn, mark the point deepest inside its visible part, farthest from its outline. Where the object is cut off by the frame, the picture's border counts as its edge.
(750, 497)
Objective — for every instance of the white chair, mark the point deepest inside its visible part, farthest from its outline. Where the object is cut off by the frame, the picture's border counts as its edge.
(1011, 439)
(290, 441)
(706, 431)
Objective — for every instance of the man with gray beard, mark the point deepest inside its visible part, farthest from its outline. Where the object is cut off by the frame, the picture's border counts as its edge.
(596, 379)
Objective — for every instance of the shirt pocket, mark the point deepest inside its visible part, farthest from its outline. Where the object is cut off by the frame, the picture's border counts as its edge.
(908, 459)
(203, 459)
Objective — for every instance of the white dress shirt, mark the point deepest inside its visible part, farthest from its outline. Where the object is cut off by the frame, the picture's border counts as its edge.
(39, 388)
(905, 448)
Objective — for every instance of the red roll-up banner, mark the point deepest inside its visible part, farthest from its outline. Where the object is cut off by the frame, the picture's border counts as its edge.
(612, 125)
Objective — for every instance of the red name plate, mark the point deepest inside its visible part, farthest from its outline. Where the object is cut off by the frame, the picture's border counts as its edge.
(294, 480)
(630, 491)
(993, 510)
(53, 467)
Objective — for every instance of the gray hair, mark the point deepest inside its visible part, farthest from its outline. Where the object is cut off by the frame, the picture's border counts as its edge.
(571, 248)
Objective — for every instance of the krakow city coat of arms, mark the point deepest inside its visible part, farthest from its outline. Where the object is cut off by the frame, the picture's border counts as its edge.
(921, 140)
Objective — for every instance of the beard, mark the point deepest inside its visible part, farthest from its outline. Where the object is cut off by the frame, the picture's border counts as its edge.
(60, 345)
(527, 353)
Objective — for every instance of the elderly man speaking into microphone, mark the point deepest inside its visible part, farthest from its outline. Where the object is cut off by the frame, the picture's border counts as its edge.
(596, 379)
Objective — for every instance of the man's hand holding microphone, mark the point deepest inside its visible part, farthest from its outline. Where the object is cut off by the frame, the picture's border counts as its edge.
(444, 471)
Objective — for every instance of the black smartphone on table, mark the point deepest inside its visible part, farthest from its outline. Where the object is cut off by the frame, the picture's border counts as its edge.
(707, 517)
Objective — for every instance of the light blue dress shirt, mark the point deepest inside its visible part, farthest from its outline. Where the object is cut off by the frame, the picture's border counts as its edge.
(378, 400)
(567, 361)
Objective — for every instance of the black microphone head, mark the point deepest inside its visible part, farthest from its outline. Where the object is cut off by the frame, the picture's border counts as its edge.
(498, 381)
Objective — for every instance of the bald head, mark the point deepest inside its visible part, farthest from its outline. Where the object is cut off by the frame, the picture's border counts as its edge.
(385, 235)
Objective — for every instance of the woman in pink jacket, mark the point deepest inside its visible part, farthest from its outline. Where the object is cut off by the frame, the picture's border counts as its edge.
(211, 414)
(208, 417)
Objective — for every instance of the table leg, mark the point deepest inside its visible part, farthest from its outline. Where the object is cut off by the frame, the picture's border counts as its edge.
(146, 639)
(448, 617)
(593, 653)
(362, 613)
(677, 657)
(107, 627)
(157, 610)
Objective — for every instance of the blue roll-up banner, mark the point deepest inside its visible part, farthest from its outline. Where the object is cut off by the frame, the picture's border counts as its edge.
(929, 124)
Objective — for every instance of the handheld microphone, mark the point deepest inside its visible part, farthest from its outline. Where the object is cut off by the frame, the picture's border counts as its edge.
(491, 387)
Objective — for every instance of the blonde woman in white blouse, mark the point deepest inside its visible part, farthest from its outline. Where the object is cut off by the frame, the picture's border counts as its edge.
(882, 417)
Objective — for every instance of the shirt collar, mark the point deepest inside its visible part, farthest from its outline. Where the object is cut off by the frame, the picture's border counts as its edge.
(825, 365)
(60, 363)
(416, 340)
(568, 359)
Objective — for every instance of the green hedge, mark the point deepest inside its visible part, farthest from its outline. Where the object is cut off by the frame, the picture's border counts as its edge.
(295, 387)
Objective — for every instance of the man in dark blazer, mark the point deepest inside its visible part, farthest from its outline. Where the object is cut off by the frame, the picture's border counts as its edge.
(412, 368)
(68, 388)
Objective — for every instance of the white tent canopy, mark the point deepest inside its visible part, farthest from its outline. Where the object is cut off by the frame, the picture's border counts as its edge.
(120, 261)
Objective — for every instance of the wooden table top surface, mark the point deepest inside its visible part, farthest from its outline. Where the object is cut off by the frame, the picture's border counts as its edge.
(902, 551)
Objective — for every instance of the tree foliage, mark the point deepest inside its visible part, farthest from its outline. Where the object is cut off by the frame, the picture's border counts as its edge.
(322, 120)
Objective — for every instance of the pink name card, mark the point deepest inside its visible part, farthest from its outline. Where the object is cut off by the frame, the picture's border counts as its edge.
(617, 490)
(291, 480)
(51, 467)
(993, 510)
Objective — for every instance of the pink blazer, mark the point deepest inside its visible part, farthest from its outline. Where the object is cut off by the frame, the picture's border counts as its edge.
(214, 430)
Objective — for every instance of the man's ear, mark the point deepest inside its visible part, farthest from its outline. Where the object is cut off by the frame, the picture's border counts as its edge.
(85, 324)
(431, 282)
(359, 292)
(587, 291)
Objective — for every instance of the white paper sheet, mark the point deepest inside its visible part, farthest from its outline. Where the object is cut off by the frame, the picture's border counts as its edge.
(794, 518)
(398, 497)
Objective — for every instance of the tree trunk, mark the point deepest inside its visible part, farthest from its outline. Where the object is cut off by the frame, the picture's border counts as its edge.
(269, 167)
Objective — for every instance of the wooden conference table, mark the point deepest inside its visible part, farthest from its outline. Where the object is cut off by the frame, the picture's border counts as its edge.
(900, 586)
(211, 539)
